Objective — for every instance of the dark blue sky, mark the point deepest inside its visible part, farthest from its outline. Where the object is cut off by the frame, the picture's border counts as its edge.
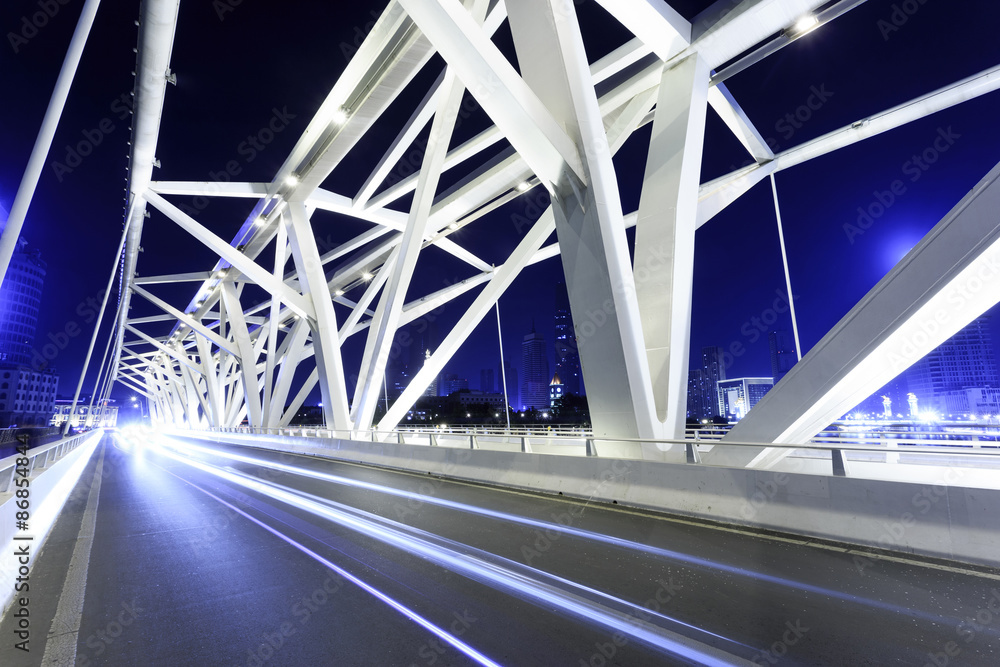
(237, 70)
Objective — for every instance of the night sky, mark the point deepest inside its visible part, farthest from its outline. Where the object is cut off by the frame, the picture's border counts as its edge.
(238, 70)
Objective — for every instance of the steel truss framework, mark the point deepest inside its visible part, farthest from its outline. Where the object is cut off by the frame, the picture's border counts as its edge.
(224, 362)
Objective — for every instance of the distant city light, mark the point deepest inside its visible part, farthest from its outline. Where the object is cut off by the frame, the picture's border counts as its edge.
(928, 416)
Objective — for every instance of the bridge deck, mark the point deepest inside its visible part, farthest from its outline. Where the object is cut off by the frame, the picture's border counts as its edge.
(190, 567)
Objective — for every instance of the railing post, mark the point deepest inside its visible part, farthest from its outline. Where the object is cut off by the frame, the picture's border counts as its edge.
(839, 462)
(432, 439)
(693, 455)
(472, 441)
(9, 480)
(591, 450)
(399, 438)
(524, 444)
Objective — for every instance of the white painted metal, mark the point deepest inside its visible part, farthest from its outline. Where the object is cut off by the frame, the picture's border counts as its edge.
(47, 132)
(223, 362)
(664, 241)
(935, 290)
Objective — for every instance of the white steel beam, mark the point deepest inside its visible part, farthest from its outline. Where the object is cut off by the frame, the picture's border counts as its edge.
(950, 278)
(511, 104)
(243, 264)
(324, 324)
(664, 236)
(393, 297)
(590, 223)
(247, 359)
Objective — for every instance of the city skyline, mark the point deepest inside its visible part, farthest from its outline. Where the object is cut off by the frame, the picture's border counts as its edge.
(844, 232)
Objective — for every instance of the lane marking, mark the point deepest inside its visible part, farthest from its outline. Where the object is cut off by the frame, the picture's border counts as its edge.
(63, 637)
(451, 639)
(803, 541)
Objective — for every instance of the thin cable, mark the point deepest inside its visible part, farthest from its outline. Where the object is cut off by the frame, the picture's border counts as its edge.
(97, 325)
(788, 277)
(503, 368)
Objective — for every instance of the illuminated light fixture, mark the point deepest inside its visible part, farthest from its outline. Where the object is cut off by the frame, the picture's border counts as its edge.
(453, 226)
(366, 276)
(339, 292)
(804, 25)
(291, 180)
(339, 116)
(260, 220)
(523, 186)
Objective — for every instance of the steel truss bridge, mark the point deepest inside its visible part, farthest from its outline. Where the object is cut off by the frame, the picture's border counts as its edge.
(557, 123)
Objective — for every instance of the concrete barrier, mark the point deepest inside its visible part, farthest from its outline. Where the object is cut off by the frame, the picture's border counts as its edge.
(55, 469)
(938, 520)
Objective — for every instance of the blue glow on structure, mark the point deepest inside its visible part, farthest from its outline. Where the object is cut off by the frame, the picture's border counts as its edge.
(568, 530)
(544, 595)
(368, 588)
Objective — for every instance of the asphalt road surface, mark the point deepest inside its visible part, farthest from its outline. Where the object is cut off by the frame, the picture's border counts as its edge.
(173, 553)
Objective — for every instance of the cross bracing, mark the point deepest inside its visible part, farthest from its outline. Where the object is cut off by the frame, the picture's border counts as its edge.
(557, 121)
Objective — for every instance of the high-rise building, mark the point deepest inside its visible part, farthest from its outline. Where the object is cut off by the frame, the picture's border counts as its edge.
(556, 390)
(27, 386)
(942, 379)
(534, 372)
(567, 354)
(783, 355)
(696, 405)
(449, 383)
(486, 383)
(713, 370)
(738, 396)
(432, 388)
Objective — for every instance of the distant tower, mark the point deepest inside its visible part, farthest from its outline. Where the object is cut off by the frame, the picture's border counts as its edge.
(783, 354)
(887, 407)
(27, 386)
(513, 393)
(432, 388)
(534, 372)
(567, 355)
(556, 389)
(486, 384)
(713, 371)
(911, 398)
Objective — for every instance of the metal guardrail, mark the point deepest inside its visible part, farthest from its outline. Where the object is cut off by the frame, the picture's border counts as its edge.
(584, 443)
(39, 458)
